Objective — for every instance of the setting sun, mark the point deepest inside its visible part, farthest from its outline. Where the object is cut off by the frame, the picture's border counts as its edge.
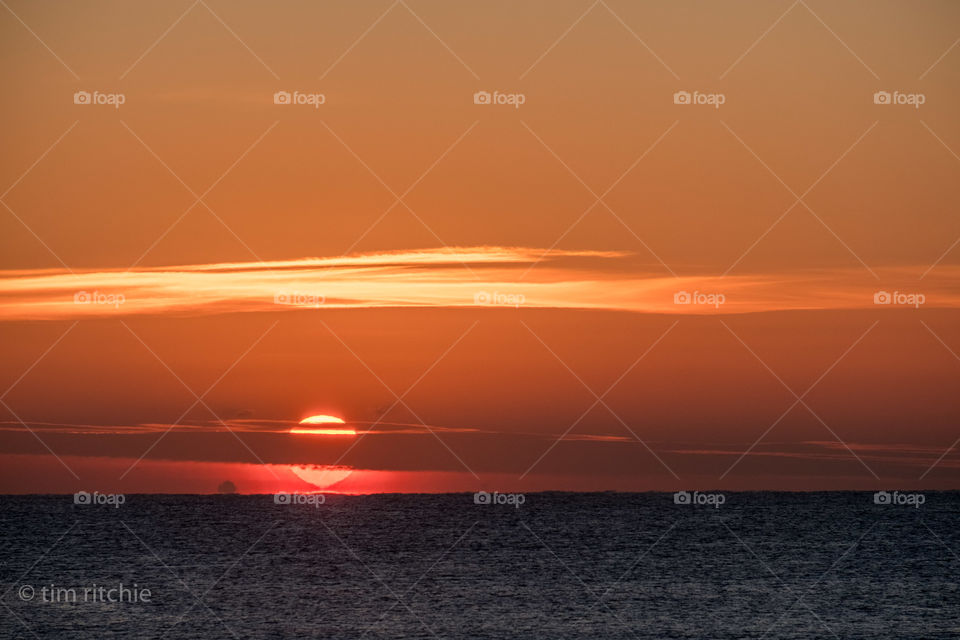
(322, 420)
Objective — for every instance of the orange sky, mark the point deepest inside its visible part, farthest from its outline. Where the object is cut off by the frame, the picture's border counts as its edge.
(465, 280)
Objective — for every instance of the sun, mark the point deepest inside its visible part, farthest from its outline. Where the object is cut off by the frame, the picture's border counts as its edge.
(323, 431)
(320, 476)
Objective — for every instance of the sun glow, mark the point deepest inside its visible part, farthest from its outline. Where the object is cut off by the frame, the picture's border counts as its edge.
(321, 477)
(323, 431)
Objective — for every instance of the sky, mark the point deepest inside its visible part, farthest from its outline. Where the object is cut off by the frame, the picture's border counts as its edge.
(526, 246)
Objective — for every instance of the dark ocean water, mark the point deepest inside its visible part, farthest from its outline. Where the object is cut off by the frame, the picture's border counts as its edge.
(763, 565)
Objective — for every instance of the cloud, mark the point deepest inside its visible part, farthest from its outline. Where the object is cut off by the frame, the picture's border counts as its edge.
(488, 277)
(410, 447)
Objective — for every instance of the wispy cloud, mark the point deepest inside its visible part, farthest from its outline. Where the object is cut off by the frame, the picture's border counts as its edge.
(495, 277)
(411, 447)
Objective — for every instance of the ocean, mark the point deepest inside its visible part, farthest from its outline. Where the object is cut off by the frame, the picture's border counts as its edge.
(544, 565)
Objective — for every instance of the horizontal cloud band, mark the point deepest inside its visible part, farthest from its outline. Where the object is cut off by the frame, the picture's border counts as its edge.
(459, 277)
